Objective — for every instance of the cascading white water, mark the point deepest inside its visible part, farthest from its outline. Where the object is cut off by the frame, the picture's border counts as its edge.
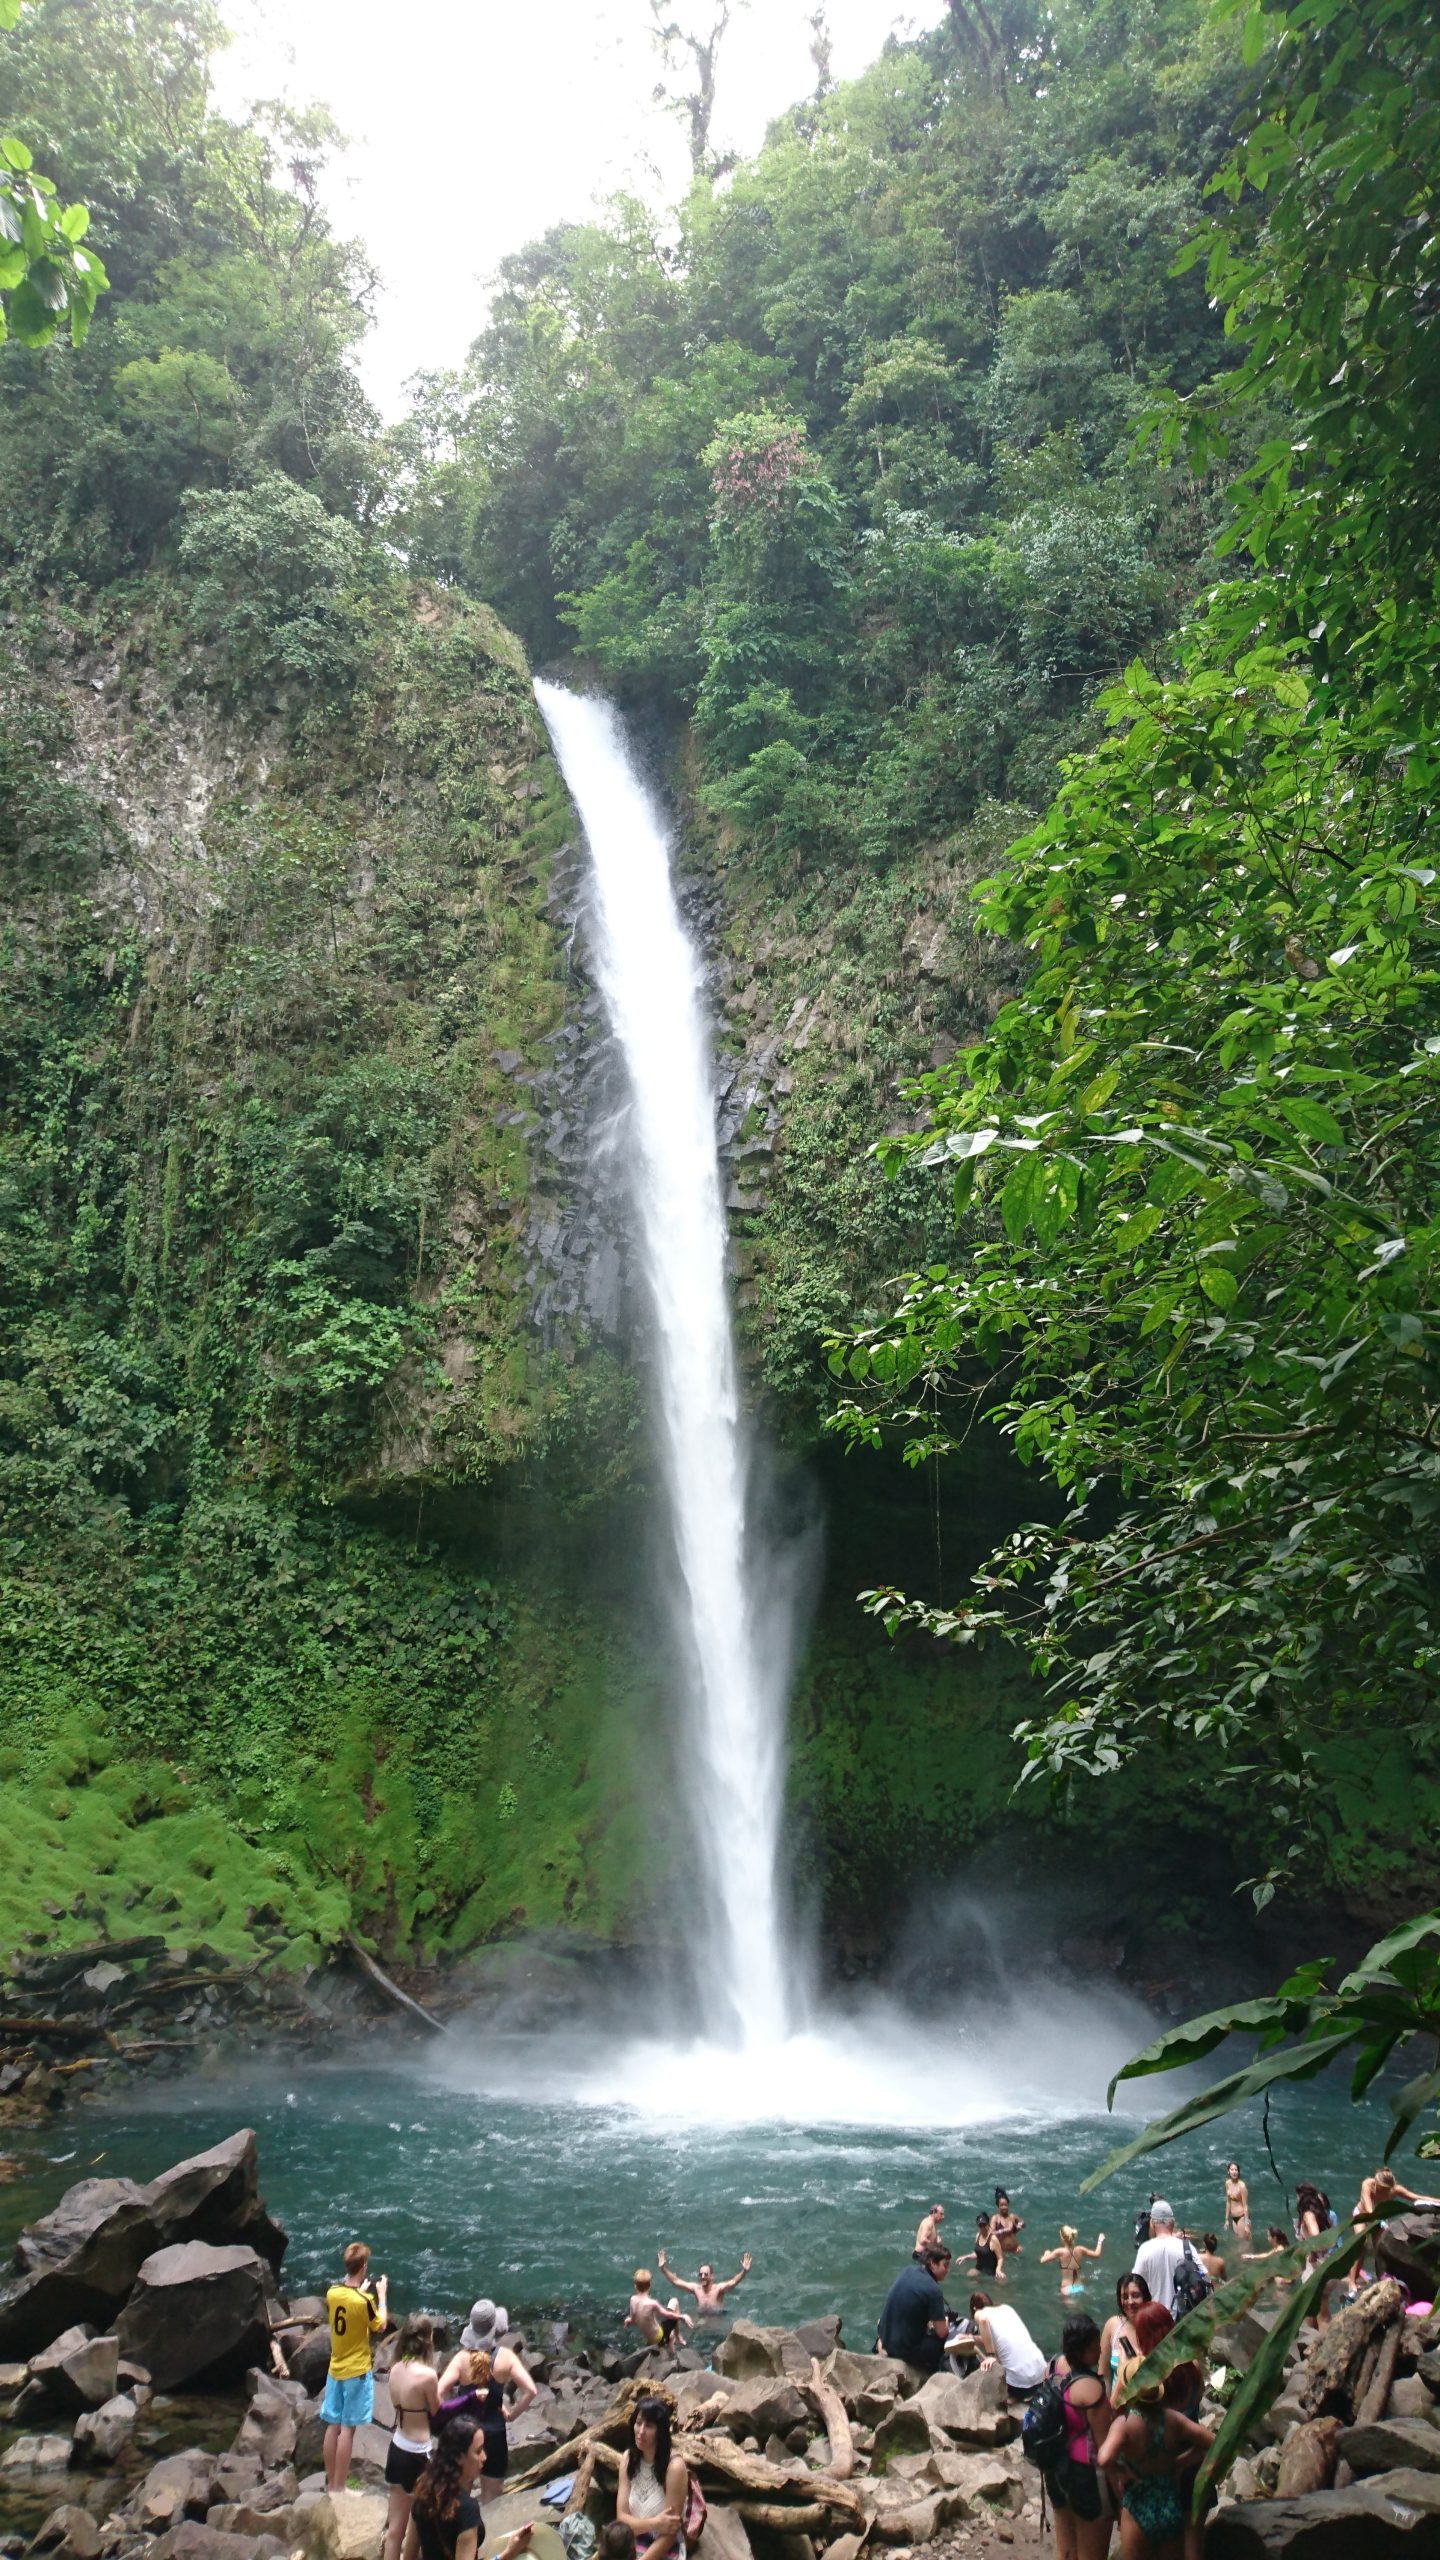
(650, 979)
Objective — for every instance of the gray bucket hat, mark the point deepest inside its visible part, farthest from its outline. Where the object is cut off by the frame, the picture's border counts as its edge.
(486, 2325)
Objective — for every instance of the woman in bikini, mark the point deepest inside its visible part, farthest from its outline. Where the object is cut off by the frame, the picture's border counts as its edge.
(474, 2384)
(1151, 2447)
(988, 2261)
(1117, 2338)
(1237, 2204)
(1005, 2226)
(1072, 2254)
(415, 2398)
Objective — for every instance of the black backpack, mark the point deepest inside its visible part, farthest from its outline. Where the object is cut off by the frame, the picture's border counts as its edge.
(1189, 2284)
(1043, 2431)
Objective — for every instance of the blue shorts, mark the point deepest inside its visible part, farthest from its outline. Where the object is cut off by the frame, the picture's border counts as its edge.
(348, 2404)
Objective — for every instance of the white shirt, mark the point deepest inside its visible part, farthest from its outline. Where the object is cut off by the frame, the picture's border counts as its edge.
(1157, 2261)
(1015, 2349)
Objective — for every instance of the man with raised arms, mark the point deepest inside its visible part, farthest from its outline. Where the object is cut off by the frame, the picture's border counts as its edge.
(709, 2296)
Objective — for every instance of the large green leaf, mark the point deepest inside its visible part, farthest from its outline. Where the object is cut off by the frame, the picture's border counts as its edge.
(1199, 2036)
(1297, 2062)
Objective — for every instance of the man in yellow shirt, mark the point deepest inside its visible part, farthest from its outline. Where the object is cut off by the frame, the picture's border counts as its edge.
(355, 2311)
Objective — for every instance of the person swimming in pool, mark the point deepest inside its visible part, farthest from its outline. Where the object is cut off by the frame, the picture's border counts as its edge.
(1072, 2254)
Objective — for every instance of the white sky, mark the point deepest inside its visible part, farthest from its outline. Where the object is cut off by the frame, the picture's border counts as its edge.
(476, 124)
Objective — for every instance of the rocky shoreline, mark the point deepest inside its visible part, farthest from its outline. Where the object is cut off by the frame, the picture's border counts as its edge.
(126, 2296)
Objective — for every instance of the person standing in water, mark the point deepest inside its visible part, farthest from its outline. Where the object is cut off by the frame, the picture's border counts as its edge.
(709, 2296)
(355, 2311)
(988, 2260)
(929, 2235)
(1005, 2226)
(1237, 2204)
(1072, 2254)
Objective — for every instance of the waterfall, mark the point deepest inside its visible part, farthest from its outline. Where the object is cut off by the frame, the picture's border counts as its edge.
(736, 1663)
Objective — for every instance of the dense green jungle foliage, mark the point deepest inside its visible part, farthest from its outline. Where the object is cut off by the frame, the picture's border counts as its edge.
(1199, 1151)
(835, 481)
(838, 469)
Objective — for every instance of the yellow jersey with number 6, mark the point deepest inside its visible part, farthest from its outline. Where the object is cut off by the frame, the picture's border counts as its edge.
(352, 2316)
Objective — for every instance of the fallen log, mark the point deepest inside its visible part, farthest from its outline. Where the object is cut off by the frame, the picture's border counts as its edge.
(837, 2424)
(581, 2491)
(751, 2471)
(782, 2519)
(1339, 2354)
(77, 2029)
(1371, 2404)
(391, 1989)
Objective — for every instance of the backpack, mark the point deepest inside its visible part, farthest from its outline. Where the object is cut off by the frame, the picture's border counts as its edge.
(696, 2511)
(1189, 2283)
(1043, 2429)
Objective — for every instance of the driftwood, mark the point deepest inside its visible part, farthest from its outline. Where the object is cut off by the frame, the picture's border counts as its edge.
(782, 2519)
(391, 1989)
(1339, 2355)
(581, 2490)
(77, 2029)
(1371, 2402)
(766, 2479)
(837, 2425)
(795, 2495)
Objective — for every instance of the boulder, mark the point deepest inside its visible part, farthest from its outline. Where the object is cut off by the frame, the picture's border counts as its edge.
(1308, 2457)
(244, 2516)
(192, 2541)
(727, 2539)
(309, 2359)
(346, 2524)
(1397, 2513)
(215, 2196)
(906, 2428)
(271, 2423)
(79, 2262)
(1238, 2343)
(1409, 2247)
(1389, 2444)
(818, 2337)
(36, 2454)
(699, 2389)
(970, 2408)
(868, 2385)
(764, 2406)
(71, 2531)
(75, 2264)
(1289, 2411)
(749, 2354)
(79, 2370)
(12, 2377)
(197, 2313)
(1409, 2398)
(102, 2434)
(182, 2484)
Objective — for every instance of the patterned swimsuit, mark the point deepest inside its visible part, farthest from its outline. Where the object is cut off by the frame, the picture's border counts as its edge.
(1154, 2498)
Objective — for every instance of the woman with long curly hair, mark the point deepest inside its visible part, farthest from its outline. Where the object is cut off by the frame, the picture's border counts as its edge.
(445, 2521)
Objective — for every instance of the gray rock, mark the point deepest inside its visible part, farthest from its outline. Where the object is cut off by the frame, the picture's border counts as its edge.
(969, 2408)
(37, 2453)
(1238, 2343)
(101, 2435)
(197, 2313)
(71, 2531)
(181, 2484)
(868, 2385)
(1408, 2398)
(905, 2429)
(193, 2541)
(80, 2262)
(1409, 2247)
(1391, 2444)
(819, 2337)
(1398, 2512)
(748, 2354)
(309, 2360)
(271, 2423)
(763, 2407)
(79, 2370)
(726, 2537)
